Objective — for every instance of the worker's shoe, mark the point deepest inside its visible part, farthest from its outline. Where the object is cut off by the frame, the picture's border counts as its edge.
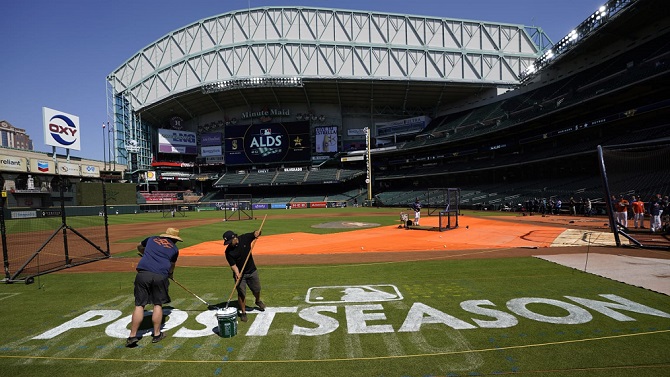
(158, 338)
(260, 305)
(243, 317)
(132, 342)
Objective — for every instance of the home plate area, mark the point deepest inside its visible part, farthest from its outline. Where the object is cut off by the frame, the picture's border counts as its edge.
(576, 237)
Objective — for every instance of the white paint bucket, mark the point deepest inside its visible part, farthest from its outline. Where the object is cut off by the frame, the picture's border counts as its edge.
(227, 319)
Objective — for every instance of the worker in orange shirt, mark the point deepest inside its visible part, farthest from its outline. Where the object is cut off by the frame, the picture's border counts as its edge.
(621, 209)
(638, 212)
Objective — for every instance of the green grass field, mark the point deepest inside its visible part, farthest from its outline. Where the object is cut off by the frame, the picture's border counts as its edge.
(520, 316)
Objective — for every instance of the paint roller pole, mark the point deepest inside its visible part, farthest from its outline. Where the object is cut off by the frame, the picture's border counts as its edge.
(186, 289)
(237, 281)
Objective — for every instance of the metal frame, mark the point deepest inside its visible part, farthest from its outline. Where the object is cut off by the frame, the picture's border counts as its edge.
(616, 228)
(248, 213)
(19, 274)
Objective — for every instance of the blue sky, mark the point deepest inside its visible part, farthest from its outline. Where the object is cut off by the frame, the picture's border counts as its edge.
(57, 54)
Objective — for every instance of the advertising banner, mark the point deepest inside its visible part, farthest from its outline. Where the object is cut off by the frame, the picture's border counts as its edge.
(214, 159)
(151, 176)
(90, 171)
(211, 151)
(23, 214)
(175, 176)
(267, 143)
(42, 166)
(317, 205)
(11, 163)
(179, 142)
(402, 126)
(356, 132)
(326, 139)
(65, 168)
(211, 139)
(352, 158)
(61, 129)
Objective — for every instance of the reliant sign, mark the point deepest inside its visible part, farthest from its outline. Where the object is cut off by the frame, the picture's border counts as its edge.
(10, 163)
(365, 313)
(61, 129)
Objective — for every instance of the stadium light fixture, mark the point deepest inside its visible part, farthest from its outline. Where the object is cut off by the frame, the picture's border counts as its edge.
(588, 26)
(251, 82)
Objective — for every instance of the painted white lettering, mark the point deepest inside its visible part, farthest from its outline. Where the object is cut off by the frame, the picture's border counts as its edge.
(357, 319)
(421, 313)
(263, 320)
(207, 318)
(312, 314)
(503, 320)
(576, 315)
(89, 319)
(623, 304)
(119, 329)
(360, 317)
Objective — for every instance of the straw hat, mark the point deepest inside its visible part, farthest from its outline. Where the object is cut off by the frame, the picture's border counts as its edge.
(172, 233)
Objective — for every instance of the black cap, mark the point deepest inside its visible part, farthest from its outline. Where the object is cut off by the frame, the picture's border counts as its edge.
(228, 237)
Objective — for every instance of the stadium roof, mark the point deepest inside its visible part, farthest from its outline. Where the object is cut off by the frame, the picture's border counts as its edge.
(378, 62)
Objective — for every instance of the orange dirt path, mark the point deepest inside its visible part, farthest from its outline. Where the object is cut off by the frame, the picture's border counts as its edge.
(476, 237)
(472, 233)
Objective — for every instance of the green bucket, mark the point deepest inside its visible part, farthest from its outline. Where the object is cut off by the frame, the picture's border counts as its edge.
(227, 319)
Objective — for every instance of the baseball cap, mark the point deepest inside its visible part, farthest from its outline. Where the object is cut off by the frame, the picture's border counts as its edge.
(172, 233)
(228, 237)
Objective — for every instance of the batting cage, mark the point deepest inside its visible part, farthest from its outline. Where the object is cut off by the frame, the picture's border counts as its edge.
(445, 203)
(37, 241)
(169, 208)
(636, 182)
(238, 207)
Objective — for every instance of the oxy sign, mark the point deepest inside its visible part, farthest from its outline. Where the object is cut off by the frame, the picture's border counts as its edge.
(369, 317)
(61, 129)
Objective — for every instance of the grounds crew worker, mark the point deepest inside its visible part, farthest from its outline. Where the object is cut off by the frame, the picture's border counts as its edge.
(237, 251)
(159, 255)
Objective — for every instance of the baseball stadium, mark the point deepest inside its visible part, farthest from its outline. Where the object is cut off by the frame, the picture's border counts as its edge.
(433, 197)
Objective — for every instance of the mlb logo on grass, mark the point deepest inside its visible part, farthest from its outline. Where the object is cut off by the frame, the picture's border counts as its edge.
(61, 129)
(341, 294)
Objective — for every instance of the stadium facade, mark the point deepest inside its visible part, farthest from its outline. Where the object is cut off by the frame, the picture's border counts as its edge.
(318, 71)
(448, 103)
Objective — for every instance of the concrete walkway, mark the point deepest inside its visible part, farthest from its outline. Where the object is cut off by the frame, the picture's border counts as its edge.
(649, 273)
